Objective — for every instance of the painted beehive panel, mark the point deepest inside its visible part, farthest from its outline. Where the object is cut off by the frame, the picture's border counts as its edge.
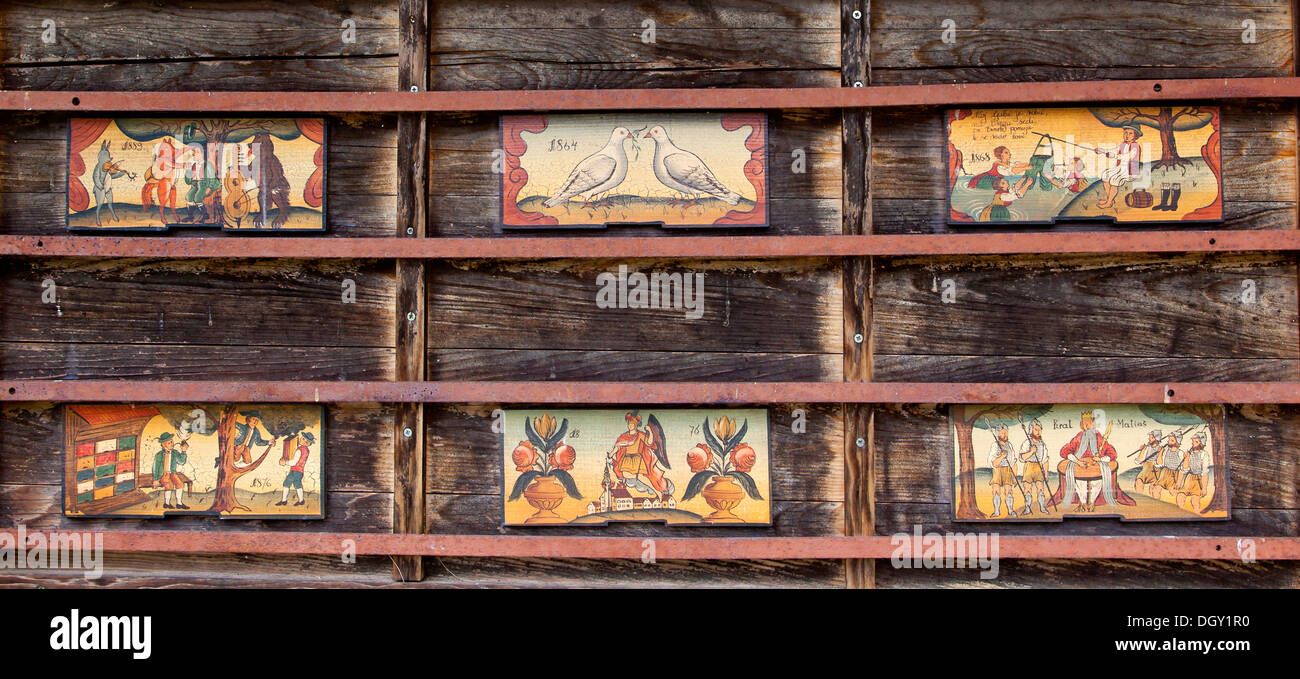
(239, 174)
(1123, 164)
(675, 466)
(672, 169)
(1046, 462)
(152, 461)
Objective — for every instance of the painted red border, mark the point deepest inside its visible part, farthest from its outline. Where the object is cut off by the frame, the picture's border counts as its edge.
(755, 167)
(514, 176)
(1211, 154)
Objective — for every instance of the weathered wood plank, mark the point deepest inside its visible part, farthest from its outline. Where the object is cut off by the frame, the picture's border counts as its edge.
(71, 361)
(31, 441)
(175, 571)
(464, 454)
(296, 74)
(644, 366)
(265, 303)
(1021, 573)
(40, 508)
(1151, 15)
(629, 14)
(559, 57)
(1142, 306)
(779, 306)
(921, 368)
(85, 32)
(481, 515)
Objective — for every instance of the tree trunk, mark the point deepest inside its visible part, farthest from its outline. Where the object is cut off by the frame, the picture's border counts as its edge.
(966, 508)
(1168, 144)
(224, 498)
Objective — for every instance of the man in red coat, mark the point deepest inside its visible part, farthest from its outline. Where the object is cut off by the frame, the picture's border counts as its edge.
(1088, 469)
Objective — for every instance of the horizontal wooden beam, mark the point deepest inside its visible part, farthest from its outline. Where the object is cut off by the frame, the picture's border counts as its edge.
(568, 547)
(613, 246)
(643, 99)
(592, 393)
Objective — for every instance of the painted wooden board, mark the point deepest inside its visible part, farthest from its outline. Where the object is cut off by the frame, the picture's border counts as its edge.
(1135, 462)
(239, 174)
(674, 466)
(1128, 164)
(145, 461)
(671, 169)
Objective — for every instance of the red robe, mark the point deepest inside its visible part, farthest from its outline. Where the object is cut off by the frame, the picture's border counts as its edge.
(1107, 451)
(640, 444)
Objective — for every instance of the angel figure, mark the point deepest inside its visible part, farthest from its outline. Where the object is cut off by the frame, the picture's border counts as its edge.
(642, 454)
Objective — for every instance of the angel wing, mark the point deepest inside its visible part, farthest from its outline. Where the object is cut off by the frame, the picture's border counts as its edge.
(657, 437)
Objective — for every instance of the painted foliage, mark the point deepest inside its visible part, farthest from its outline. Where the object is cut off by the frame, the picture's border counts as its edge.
(671, 169)
(1045, 462)
(239, 174)
(1121, 164)
(234, 461)
(676, 466)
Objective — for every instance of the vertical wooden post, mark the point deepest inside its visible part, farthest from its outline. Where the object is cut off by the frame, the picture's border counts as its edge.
(859, 481)
(412, 197)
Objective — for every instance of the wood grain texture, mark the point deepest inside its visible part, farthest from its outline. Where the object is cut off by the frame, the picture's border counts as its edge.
(630, 365)
(1258, 142)
(585, 45)
(409, 312)
(1182, 306)
(1111, 39)
(779, 306)
(267, 304)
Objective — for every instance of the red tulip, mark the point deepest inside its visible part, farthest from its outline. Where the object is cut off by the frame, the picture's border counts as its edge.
(699, 457)
(743, 457)
(563, 457)
(524, 456)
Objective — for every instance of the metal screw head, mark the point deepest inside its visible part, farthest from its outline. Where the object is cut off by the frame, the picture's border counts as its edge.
(857, 339)
(410, 230)
(862, 443)
(410, 316)
(857, 14)
(857, 83)
(407, 432)
(415, 88)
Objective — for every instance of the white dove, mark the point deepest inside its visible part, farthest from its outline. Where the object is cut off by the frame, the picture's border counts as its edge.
(684, 172)
(598, 173)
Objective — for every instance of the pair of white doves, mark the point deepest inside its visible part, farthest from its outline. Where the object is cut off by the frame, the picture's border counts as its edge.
(678, 169)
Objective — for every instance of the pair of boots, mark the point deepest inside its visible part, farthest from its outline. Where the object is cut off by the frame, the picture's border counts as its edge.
(1169, 196)
(997, 506)
(1029, 505)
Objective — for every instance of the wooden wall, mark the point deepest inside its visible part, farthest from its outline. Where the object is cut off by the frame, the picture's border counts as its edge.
(1156, 317)
(1149, 317)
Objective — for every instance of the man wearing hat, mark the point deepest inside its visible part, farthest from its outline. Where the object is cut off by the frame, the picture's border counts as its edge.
(293, 479)
(249, 435)
(1147, 456)
(1193, 487)
(165, 464)
(1127, 158)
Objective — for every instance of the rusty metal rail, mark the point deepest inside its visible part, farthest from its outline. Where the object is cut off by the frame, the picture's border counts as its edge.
(676, 98)
(592, 393)
(757, 246)
(567, 547)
